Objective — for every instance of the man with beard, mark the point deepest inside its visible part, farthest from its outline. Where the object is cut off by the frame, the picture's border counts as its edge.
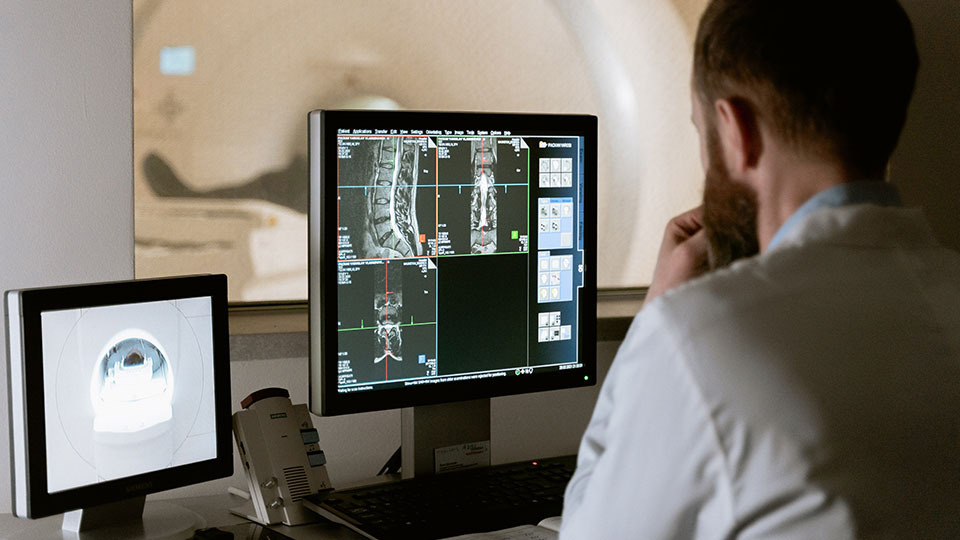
(795, 370)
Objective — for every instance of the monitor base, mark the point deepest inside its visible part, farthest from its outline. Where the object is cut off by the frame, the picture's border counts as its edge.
(132, 519)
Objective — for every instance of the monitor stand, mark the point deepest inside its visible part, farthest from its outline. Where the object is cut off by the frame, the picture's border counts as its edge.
(131, 518)
(428, 428)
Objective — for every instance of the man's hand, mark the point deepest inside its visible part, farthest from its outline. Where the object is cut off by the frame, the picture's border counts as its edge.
(683, 253)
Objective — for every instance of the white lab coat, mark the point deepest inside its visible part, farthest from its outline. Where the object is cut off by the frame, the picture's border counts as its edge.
(810, 392)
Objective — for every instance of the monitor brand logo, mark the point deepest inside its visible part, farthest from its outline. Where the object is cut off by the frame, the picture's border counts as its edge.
(139, 486)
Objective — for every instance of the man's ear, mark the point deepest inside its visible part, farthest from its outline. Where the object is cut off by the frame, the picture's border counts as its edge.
(739, 133)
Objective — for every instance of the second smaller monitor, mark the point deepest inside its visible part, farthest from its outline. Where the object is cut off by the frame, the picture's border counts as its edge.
(117, 390)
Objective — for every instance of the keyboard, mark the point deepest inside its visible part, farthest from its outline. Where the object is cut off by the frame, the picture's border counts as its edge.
(450, 504)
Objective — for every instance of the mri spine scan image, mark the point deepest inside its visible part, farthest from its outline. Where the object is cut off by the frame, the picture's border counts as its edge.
(392, 226)
(387, 305)
(483, 198)
(131, 389)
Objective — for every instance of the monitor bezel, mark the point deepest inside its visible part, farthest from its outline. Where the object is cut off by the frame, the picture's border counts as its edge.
(32, 303)
(323, 126)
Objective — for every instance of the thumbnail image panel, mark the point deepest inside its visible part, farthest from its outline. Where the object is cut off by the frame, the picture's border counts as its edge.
(387, 320)
(482, 190)
(387, 197)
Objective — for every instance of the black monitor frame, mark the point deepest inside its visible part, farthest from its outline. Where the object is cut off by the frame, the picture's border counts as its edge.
(323, 127)
(33, 302)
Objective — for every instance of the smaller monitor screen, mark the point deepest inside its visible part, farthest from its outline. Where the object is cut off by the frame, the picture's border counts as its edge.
(128, 389)
(117, 390)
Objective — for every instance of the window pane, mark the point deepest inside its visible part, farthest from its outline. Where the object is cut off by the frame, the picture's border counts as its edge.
(222, 89)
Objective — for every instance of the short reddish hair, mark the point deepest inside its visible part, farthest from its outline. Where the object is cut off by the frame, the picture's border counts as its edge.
(831, 76)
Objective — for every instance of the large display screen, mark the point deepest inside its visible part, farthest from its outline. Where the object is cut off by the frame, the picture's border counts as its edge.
(461, 248)
(127, 389)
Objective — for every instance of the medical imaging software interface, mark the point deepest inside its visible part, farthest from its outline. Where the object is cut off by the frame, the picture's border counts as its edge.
(460, 255)
(128, 389)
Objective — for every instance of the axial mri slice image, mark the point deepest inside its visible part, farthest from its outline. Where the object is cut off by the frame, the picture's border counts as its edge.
(387, 313)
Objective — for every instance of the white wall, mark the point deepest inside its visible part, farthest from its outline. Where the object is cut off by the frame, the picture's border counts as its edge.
(66, 197)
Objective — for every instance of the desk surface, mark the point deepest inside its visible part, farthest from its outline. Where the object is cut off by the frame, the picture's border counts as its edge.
(213, 508)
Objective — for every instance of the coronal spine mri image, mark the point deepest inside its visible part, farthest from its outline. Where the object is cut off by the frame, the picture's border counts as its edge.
(387, 194)
(483, 198)
(482, 195)
(387, 306)
(391, 216)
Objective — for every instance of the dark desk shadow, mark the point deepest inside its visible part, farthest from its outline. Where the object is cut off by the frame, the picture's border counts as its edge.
(287, 187)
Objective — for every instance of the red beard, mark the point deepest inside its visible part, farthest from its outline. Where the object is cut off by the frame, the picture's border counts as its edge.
(729, 210)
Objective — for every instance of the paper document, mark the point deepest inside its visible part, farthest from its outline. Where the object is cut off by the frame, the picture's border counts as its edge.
(547, 529)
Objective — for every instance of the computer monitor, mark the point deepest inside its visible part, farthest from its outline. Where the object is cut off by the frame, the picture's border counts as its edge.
(452, 258)
(118, 390)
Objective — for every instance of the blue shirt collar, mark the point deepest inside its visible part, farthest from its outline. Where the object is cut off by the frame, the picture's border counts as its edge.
(863, 192)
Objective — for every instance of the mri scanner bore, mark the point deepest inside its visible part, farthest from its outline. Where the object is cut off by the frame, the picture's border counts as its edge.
(132, 385)
(127, 390)
(131, 390)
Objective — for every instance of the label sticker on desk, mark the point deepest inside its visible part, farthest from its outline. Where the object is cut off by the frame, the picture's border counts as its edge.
(461, 456)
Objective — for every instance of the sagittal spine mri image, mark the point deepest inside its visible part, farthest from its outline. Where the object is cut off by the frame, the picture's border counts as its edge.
(387, 190)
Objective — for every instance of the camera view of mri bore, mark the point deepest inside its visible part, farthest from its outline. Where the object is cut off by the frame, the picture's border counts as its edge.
(127, 390)
(404, 202)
